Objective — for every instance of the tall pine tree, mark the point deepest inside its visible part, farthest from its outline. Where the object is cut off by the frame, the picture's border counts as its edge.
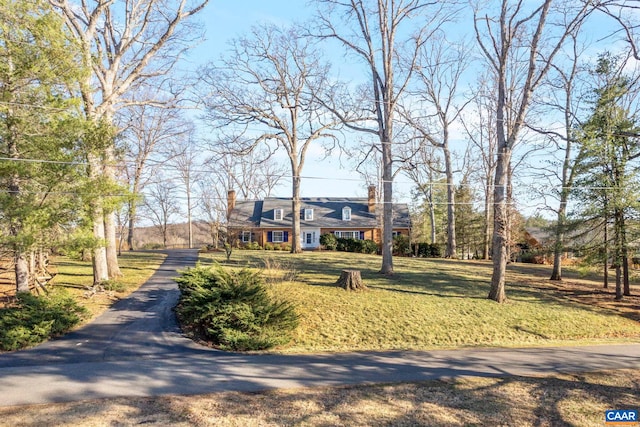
(607, 182)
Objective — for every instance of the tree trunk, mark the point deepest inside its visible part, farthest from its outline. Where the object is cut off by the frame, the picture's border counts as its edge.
(295, 208)
(618, 250)
(558, 247)
(387, 209)
(22, 272)
(487, 219)
(113, 268)
(350, 280)
(189, 221)
(432, 219)
(451, 250)
(99, 253)
(132, 224)
(626, 290)
(500, 224)
(605, 249)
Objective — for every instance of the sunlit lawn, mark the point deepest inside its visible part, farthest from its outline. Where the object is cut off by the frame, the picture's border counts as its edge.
(75, 276)
(429, 303)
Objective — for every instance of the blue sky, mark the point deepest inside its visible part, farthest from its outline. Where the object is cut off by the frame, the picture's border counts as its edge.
(228, 19)
(225, 20)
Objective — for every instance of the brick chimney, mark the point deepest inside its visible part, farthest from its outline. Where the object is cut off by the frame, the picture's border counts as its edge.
(372, 198)
(231, 202)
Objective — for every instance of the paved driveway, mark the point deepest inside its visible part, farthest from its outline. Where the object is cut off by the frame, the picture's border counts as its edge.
(136, 349)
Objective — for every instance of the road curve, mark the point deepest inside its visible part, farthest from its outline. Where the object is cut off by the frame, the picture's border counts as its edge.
(136, 349)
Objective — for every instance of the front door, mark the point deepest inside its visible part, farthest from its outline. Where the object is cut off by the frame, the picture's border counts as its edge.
(309, 239)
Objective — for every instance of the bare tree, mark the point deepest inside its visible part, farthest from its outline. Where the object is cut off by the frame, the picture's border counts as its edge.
(380, 34)
(565, 96)
(481, 130)
(145, 130)
(162, 205)
(439, 71)
(270, 83)
(519, 44)
(126, 44)
(184, 156)
(423, 169)
(211, 205)
(626, 14)
(254, 175)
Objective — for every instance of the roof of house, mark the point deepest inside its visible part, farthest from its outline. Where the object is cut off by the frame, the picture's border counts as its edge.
(327, 213)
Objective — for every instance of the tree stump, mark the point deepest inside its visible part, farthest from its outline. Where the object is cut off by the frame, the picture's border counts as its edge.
(350, 280)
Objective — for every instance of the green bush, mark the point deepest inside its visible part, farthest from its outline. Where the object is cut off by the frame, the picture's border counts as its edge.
(269, 246)
(401, 245)
(427, 250)
(368, 247)
(110, 285)
(233, 309)
(253, 246)
(329, 241)
(33, 320)
(349, 245)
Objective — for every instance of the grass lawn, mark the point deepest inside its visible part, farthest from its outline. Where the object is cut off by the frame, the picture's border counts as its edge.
(75, 276)
(437, 304)
(426, 304)
(561, 400)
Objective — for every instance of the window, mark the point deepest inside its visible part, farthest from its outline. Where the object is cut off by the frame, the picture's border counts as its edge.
(246, 236)
(277, 214)
(308, 214)
(277, 237)
(348, 234)
(346, 214)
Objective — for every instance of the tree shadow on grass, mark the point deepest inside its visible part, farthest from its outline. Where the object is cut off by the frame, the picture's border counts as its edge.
(564, 400)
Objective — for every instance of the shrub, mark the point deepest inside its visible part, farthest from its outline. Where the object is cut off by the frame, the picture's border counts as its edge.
(329, 241)
(233, 310)
(401, 245)
(349, 245)
(253, 246)
(369, 247)
(427, 250)
(532, 257)
(33, 319)
(152, 246)
(356, 245)
(110, 285)
(286, 248)
(269, 246)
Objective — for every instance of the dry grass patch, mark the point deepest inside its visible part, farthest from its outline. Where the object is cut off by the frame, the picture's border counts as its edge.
(562, 400)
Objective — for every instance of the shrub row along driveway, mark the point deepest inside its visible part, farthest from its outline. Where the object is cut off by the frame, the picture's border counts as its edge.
(136, 349)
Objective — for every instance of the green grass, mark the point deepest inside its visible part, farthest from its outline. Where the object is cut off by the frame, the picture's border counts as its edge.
(428, 304)
(75, 275)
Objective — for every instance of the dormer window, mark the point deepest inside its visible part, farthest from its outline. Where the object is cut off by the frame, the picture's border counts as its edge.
(308, 214)
(277, 214)
(346, 213)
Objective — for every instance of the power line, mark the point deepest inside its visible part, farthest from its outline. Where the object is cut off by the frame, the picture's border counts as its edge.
(333, 179)
(57, 162)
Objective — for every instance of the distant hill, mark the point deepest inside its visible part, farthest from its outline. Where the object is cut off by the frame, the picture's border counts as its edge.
(178, 236)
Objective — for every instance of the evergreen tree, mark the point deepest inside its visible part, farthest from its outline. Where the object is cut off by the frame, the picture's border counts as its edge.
(608, 184)
(39, 131)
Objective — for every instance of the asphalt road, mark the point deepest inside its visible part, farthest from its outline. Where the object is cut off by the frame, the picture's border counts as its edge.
(136, 349)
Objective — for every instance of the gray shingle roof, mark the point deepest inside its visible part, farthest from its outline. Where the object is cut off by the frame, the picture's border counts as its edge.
(327, 213)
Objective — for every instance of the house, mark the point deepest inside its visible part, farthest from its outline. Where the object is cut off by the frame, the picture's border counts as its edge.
(270, 220)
